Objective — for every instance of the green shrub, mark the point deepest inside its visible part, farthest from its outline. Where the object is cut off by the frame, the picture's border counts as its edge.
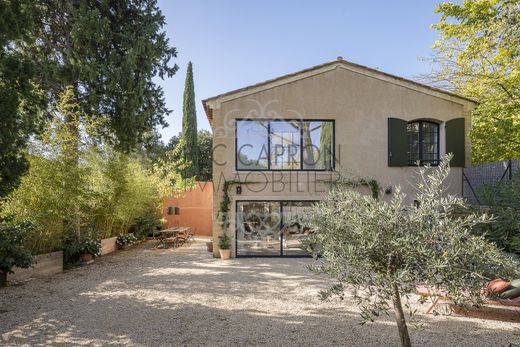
(92, 189)
(122, 190)
(117, 193)
(13, 250)
(75, 248)
(125, 240)
(40, 198)
(503, 202)
(147, 224)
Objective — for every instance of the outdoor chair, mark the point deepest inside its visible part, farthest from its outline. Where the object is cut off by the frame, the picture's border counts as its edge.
(173, 240)
(184, 237)
(166, 238)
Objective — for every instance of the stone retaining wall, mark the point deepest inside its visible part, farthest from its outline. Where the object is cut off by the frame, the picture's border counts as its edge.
(46, 265)
(108, 245)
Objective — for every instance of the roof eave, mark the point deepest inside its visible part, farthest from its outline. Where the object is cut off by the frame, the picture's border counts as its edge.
(209, 110)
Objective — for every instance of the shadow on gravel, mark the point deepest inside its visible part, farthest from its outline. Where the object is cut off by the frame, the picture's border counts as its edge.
(187, 298)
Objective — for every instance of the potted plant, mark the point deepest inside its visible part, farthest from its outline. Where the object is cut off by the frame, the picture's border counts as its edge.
(224, 245)
(87, 258)
(84, 249)
(89, 249)
(13, 237)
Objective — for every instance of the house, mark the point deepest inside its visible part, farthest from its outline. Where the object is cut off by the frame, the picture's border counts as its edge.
(278, 143)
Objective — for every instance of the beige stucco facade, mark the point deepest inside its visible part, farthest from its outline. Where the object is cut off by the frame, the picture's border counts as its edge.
(359, 100)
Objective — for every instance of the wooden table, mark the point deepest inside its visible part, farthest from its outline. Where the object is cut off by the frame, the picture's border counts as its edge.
(173, 235)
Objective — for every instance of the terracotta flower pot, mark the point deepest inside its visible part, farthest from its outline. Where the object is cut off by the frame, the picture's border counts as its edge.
(225, 254)
(498, 285)
(87, 258)
(209, 246)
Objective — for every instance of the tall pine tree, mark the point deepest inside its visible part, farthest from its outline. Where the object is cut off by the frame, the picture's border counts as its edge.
(20, 98)
(101, 54)
(189, 143)
(109, 51)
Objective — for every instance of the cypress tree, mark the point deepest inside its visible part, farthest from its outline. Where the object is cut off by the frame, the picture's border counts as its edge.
(189, 141)
(326, 161)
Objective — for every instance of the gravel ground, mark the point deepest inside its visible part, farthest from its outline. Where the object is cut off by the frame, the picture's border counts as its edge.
(184, 297)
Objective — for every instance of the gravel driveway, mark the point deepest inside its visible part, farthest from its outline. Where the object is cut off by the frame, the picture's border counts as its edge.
(184, 297)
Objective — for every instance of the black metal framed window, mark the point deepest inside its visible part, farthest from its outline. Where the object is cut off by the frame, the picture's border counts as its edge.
(284, 145)
(252, 143)
(423, 143)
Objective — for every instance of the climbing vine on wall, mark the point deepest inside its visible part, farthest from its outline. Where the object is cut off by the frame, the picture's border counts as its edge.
(224, 206)
(369, 182)
(226, 202)
(355, 182)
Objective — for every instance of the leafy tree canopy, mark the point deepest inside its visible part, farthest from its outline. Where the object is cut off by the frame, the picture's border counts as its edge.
(205, 153)
(20, 98)
(479, 56)
(205, 146)
(109, 51)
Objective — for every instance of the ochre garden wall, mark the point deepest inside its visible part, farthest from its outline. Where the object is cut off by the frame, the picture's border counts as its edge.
(196, 209)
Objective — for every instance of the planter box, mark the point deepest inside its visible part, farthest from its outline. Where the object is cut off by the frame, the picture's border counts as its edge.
(46, 265)
(108, 245)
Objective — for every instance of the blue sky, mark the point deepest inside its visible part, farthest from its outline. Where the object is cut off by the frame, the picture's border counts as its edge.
(236, 43)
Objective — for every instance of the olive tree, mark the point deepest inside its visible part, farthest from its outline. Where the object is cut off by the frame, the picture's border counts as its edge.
(379, 251)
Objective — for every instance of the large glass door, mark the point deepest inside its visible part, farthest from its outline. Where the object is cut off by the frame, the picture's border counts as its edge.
(258, 228)
(294, 230)
(271, 228)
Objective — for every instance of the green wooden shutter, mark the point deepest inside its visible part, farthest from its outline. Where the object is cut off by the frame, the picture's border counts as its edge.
(397, 142)
(455, 138)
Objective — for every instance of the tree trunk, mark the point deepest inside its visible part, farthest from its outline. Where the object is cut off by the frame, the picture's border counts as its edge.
(308, 150)
(72, 154)
(71, 151)
(399, 317)
(3, 278)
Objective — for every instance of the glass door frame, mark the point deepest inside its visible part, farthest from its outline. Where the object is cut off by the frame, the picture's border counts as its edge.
(281, 255)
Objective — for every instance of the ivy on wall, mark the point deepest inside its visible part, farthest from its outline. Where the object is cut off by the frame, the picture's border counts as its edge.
(224, 206)
(354, 182)
(226, 202)
(369, 182)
